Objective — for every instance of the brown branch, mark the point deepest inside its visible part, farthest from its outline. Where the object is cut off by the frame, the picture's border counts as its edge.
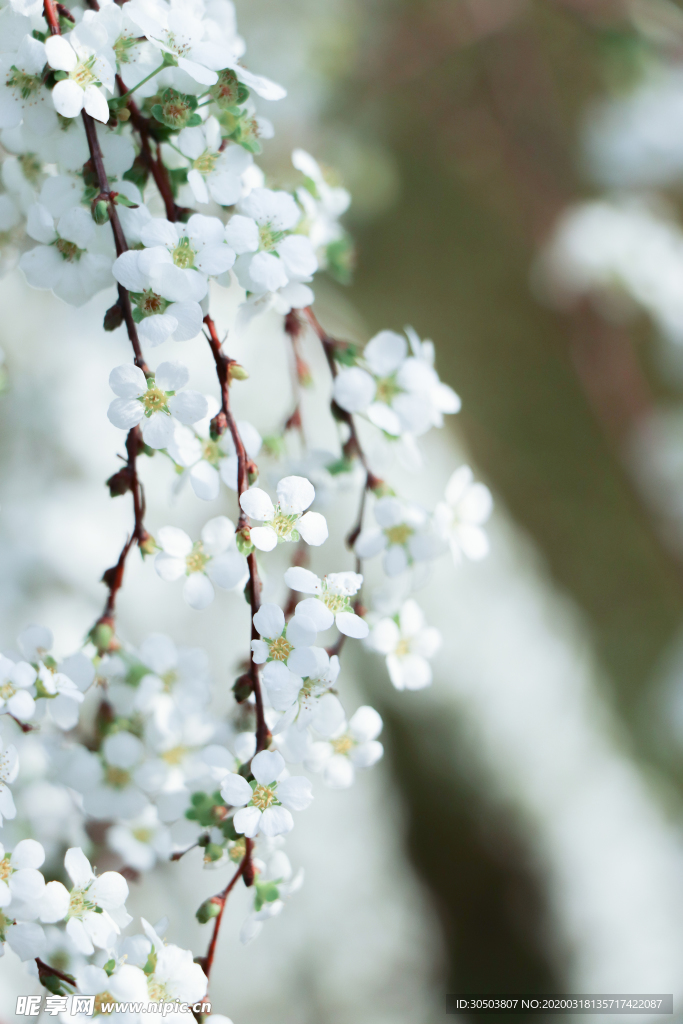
(245, 869)
(45, 969)
(225, 420)
(114, 577)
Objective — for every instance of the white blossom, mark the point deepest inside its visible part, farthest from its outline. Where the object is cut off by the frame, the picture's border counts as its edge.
(397, 388)
(403, 534)
(141, 841)
(153, 401)
(65, 261)
(269, 257)
(175, 975)
(354, 745)
(460, 517)
(209, 461)
(86, 71)
(23, 95)
(332, 599)
(273, 885)
(212, 559)
(215, 173)
(9, 769)
(165, 303)
(266, 804)
(16, 680)
(407, 644)
(287, 520)
(91, 903)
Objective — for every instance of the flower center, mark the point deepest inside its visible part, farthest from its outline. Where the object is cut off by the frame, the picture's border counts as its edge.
(143, 835)
(336, 602)
(238, 850)
(154, 399)
(264, 796)
(5, 868)
(402, 648)
(175, 755)
(7, 690)
(283, 525)
(69, 250)
(183, 254)
(102, 997)
(343, 744)
(117, 778)
(78, 904)
(387, 389)
(83, 74)
(196, 560)
(150, 303)
(205, 163)
(157, 990)
(269, 237)
(398, 534)
(211, 452)
(121, 49)
(280, 649)
(27, 85)
(169, 679)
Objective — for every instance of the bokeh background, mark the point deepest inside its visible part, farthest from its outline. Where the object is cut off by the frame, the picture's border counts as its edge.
(517, 177)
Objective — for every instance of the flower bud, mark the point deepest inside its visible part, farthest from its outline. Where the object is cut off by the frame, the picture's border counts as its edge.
(242, 688)
(210, 908)
(237, 372)
(113, 318)
(147, 544)
(100, 211)
(243, 541)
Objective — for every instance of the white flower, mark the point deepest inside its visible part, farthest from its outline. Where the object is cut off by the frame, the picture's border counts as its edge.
(91, 903)
(213, 559)
(215, 174)
(304, 701)
(323, 204)
(286, 521)
(23, 95)
(175, 975)
(141, 841)
(332, 599)
(273, 885)
(19, 875)
(398, 392)
(180, 30)
(60, 687)
(404, 535)
(269, 257)
(16, 678)
(353, 746)
(460, 517)
(407, 644)
(165, 303)
(9, 769)
(182, 255)
(127, 983)
(86, 71)
(152, 401)
(288, 644)
(108, 780)
(211, 461)
(64, 262)
(265, 805)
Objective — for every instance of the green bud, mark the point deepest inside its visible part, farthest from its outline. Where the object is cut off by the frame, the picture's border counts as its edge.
(110, 967)
(228, 92)
(213, 852)
(243, 541)
(147, 545)
(100, 211)
(102, 635)
(176, 110)
(209, 909)
(237, 372)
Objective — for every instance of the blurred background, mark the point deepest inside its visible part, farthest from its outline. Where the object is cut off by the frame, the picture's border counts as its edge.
(516, 169)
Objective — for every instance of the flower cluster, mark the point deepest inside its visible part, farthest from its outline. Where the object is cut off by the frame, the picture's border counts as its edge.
(108, 117)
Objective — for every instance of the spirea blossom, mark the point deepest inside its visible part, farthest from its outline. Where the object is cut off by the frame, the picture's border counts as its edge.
(152, 401)
(212, 559)
(266, 803)
(287, 520)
